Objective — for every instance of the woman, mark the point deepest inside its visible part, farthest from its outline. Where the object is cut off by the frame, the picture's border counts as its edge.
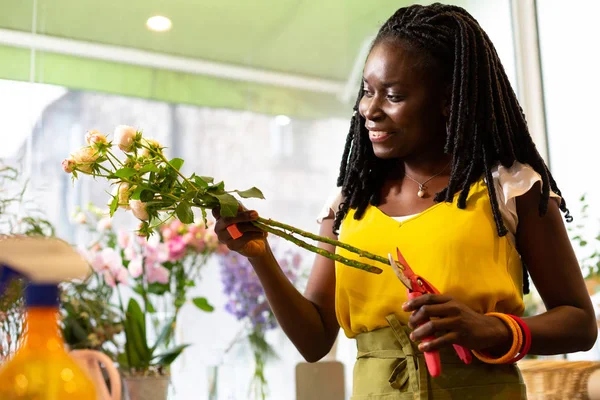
(439, 163)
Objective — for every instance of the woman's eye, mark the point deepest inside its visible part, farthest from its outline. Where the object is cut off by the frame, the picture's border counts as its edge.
(368, 93)
(395, 98)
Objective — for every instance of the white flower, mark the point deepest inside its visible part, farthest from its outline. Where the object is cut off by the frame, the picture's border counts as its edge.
(125, 137)
(104, 224)
(138, 208)
(84, 159)
(135, 267)
(80, 218)
(94, 137)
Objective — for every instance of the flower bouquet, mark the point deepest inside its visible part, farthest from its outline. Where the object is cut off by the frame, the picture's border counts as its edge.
(150, 185)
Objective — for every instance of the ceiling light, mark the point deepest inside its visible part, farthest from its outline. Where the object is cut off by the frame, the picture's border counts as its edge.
(158, 23)
(282, 120)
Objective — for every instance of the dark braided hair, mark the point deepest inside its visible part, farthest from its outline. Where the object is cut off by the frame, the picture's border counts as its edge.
(486, 124)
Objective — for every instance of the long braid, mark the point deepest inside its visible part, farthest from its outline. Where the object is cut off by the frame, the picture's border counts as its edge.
(486, 125)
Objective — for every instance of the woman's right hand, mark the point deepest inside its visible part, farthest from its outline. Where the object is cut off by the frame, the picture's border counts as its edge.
(252, 243)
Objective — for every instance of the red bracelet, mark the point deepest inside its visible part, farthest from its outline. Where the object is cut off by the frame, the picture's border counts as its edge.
(526, 339)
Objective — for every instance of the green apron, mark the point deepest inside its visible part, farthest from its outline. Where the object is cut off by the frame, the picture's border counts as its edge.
(389, 367)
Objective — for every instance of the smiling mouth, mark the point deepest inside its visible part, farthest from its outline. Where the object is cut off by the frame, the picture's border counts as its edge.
(378, 136)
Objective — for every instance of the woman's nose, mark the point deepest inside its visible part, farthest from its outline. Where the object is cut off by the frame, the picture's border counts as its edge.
(371, 109)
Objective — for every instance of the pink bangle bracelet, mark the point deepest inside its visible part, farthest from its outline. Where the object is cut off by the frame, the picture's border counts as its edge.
(526, 339)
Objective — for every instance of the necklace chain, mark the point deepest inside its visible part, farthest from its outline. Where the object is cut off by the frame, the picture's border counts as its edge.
(422, 188)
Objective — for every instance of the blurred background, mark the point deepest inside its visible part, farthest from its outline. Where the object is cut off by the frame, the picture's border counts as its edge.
(260, 94)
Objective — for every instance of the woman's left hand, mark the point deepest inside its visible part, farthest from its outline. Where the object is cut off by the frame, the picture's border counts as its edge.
(454, 323)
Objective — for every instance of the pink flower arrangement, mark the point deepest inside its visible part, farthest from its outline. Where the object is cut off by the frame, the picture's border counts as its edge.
(163, 265)
(182, 239)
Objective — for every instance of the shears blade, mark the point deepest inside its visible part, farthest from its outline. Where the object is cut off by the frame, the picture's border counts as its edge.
(399, 271)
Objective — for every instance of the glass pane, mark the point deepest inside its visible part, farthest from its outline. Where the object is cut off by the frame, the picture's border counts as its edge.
(279, 135)
(571, 84)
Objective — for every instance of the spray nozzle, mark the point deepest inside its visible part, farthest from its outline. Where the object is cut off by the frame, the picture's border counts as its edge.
(41, 262)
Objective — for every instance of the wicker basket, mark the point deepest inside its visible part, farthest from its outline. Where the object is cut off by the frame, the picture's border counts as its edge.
(557, 379)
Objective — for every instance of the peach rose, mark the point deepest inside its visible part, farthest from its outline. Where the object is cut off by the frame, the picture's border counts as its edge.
(125, 137)
(84, 159)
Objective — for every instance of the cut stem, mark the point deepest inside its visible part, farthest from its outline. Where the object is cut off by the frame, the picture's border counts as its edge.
(324, 239)
(318, 250)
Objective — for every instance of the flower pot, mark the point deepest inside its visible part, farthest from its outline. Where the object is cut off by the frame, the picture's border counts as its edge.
(147, 387)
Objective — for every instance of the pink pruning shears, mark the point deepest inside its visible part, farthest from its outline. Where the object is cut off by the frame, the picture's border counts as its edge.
(416, 287)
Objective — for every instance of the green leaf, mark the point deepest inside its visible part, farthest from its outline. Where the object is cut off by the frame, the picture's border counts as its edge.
(229, 204)
(125, 173)
(252, 193)
(184, 212)
(204, 217)
(149, 168)
(158, 288)
(179, 303)
(219, 188)
(122, 360)
(149, 307)
(583, 243)
(167, 358)
(200, 182)
(135, 331)
(139, 290)
(146, 196)
(176, 163)
(165, 334)
(203, 304)
(207, 179)
(137, 192)
(114, 204)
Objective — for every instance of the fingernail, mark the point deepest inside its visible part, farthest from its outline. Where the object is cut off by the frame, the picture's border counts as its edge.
(405, 306)
(412, 337)
(423, 347)
(253, 214)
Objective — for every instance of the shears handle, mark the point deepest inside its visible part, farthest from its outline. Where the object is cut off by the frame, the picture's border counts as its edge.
(432, 358)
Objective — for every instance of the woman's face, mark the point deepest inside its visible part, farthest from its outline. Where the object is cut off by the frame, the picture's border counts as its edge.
(403, 104)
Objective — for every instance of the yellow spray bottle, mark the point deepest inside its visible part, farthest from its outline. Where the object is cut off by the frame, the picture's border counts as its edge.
(41, 369)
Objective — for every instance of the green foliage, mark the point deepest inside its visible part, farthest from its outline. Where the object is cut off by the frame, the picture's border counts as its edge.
(139, 356)
(588, 243)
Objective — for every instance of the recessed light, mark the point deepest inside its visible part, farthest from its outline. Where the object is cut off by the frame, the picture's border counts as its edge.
(282, 120)
(158, 23)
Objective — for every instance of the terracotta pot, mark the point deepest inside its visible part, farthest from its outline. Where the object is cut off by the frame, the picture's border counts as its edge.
(147, 387)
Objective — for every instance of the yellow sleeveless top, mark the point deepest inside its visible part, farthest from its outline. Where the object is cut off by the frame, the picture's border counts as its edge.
(457, 250)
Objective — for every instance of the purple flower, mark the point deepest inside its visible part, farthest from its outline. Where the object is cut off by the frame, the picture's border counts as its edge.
(246, 297)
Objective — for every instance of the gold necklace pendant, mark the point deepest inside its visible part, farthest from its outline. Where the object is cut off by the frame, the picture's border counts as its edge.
(422, 191)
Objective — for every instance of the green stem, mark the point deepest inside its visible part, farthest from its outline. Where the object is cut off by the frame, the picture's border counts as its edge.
(162, 157)
(124, 314)
(318, 250)
(324, 239)
(113, 156)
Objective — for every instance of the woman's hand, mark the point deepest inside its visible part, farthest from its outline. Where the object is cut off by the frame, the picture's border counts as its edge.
(455, 323)
(253, 241)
